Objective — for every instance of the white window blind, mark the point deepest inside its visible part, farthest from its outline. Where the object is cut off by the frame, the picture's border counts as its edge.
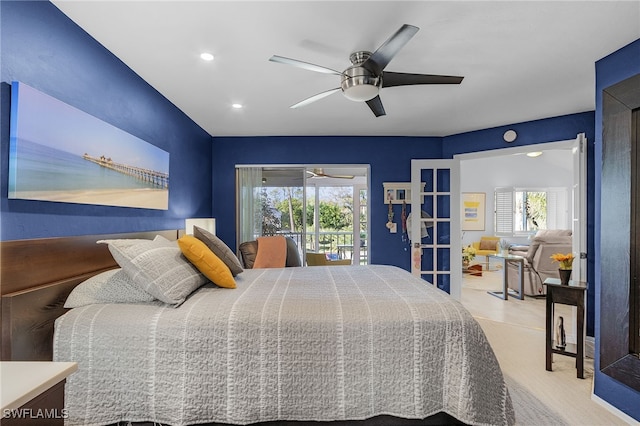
(557, 200)
(557, 208)
(504, 211)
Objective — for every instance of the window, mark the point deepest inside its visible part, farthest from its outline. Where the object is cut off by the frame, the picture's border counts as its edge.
(322, 209)
(523, 211)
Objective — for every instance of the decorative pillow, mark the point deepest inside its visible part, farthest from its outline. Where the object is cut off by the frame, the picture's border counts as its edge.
(206, 261)
(158, 267)
(488, 244)
(112, 286)
(248, 251)
(219, 248)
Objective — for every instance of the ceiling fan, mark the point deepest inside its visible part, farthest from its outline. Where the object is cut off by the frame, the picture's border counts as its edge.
(362, 81)
(320, 174)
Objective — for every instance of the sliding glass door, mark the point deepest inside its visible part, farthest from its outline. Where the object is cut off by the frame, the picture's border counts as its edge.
(323, 208)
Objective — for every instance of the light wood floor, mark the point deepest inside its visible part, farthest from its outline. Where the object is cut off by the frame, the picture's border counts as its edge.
(516, 330)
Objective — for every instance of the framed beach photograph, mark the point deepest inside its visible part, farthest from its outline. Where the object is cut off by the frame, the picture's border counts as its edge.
(60, 153)
(473, 211)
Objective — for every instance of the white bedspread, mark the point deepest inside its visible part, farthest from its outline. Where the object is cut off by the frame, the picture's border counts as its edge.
(316, 343)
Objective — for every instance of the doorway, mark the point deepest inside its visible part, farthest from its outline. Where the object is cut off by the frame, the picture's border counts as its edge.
(556, 165)
(560, 164)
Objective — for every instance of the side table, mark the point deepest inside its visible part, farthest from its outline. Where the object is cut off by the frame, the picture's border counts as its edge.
(32, 392)
(572, 295)
(504, 294)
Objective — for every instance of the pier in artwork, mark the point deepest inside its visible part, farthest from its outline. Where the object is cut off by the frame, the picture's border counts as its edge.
(159, 179)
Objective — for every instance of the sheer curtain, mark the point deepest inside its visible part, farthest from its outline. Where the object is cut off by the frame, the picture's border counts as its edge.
(249, 182)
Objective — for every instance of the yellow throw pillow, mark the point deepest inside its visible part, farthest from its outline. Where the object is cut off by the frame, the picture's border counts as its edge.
(206, 261)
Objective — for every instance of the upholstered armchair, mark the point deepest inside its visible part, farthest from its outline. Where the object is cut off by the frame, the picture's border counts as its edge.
(249, 249)
(538, 265)
(486, 247)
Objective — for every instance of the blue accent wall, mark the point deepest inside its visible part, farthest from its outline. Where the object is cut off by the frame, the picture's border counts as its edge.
(43, 48)
(610, 70)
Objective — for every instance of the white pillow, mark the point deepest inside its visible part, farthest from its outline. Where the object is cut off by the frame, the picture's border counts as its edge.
(158, 267)
(112, 286)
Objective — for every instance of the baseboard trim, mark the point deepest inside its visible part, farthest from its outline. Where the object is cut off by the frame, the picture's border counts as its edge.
(613, 410)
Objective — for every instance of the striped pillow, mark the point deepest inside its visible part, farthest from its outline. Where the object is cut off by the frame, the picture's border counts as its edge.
(158, 267)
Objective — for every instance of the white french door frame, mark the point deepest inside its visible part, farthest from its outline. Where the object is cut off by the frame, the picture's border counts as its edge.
(454, 244)
(579, 210)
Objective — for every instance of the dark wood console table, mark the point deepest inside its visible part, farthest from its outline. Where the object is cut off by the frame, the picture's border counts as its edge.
(572, 295)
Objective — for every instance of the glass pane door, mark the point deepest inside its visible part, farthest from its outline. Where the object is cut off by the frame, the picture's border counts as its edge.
(337, 216)
(324, 209)
(436, 254)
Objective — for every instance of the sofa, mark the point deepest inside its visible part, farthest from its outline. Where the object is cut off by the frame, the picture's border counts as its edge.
(538, 265)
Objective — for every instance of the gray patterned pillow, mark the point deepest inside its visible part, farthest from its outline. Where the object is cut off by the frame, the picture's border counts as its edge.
(112, 286)
(220, 249)
(158, 267)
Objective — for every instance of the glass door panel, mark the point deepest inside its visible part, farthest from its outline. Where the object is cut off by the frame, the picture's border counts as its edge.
(435, 256)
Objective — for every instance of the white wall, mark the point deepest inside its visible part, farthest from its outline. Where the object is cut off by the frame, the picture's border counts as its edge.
(552, 169)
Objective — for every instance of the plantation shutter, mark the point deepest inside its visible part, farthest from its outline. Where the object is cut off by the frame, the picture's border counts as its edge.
(557, 208)
(504, 211)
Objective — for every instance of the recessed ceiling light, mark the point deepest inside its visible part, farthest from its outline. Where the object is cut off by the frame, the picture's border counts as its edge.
(534, 154)
(236, 106)
(206, 56)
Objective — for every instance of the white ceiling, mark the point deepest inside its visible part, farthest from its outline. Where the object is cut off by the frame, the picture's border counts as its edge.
(521, 60)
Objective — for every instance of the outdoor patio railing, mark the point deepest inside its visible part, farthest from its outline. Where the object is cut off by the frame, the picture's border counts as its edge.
(337, 244)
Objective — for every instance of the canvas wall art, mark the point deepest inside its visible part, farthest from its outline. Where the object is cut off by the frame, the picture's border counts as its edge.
(473, 207)
(59, 153)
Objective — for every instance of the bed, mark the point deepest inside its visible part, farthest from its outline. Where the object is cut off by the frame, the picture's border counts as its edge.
(338, 344)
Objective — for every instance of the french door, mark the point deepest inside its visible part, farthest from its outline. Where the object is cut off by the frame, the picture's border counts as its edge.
(579, 211)
(436, 254)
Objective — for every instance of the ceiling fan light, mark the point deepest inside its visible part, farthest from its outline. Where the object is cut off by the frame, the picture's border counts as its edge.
(359, 84)
(361, 93)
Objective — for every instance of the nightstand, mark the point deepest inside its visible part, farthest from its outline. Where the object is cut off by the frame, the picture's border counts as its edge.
(33, 392)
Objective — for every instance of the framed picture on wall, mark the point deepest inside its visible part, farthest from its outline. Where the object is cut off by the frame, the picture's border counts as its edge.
(473, 209)
(62, 154)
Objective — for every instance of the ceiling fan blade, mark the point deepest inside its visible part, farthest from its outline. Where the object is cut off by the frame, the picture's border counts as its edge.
(319, 173)
(303, 65)
(390, 79)
(385, 53)
(376, 106)
(315, 98)
(340, 176)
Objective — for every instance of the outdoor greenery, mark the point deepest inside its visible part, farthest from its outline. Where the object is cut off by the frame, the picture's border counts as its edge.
(282, 210)
(271, 222)
(531, 210)
(536, 210)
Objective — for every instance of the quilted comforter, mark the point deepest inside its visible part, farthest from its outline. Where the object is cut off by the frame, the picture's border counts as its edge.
(315, 343)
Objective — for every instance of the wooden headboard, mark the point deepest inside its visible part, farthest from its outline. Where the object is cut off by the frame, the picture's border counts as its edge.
(36, 276)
